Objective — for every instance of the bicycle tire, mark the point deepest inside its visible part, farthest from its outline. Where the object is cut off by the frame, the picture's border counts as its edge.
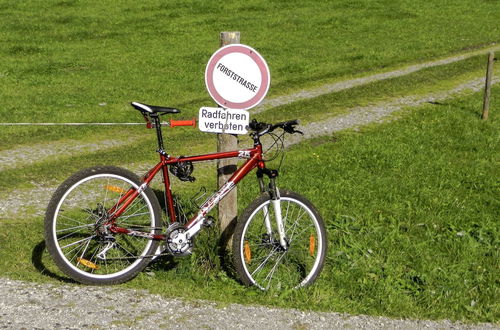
(259, 258)
(80, 247)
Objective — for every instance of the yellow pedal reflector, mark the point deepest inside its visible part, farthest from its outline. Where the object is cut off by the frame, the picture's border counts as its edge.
(87, 263)
(115, 189)
(312, 244)
(247, 252)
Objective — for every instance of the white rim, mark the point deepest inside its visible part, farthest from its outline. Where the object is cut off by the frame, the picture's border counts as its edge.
(54, 221)
(318, 231)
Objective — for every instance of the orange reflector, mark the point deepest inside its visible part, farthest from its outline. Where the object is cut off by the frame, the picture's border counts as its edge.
(115, 189)
(247, 253)
(87, 263)
(312, 245)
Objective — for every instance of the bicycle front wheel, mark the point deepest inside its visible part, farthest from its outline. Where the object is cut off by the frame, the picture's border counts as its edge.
(259, 257)
(77, 231)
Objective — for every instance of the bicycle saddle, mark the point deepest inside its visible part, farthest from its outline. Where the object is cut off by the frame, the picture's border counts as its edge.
(153, 108)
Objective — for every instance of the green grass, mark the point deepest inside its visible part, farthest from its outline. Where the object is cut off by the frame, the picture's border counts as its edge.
(62, 59)
(429, 80)
(412, 214)
(411, 207)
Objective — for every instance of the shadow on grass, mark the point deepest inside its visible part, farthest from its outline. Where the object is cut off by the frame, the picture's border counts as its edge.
(223, 242)
(164, 263)
(36, 259)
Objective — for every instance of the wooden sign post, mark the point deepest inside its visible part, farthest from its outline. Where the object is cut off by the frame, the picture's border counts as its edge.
(228, 207)
(237, 78)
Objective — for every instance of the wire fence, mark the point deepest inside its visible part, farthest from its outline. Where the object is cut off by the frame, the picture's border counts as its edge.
(70, 124)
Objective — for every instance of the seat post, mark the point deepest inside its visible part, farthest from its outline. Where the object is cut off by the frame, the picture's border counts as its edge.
(157, 124)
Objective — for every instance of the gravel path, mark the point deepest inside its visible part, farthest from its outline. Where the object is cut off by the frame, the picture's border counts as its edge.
(46, 306)
(360, 116)
(26, 155)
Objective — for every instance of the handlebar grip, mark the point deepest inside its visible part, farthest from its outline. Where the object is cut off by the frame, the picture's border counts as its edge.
(191, 122)
(254, 125)
(286, 124)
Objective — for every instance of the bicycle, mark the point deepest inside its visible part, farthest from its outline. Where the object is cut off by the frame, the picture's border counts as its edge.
(103, 225)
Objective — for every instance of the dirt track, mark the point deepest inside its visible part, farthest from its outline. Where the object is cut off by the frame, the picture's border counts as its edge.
(37, 306)
(13, 204)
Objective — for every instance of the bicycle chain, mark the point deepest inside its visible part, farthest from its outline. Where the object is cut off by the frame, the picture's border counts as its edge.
(139, 257)
(145, 256)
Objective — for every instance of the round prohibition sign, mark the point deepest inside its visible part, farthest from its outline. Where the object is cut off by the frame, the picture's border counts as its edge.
(237, 77)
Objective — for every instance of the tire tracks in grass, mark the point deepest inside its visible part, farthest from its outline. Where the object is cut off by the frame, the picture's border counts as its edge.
(360, 116)
(22, 201)
(16, 157)
(351, 83)
(40, 152)
(13, 204)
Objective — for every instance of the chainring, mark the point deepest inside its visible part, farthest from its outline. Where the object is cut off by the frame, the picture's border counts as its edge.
(176, 241)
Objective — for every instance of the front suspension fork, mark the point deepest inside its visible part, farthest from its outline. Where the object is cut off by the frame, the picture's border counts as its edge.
(276, 204)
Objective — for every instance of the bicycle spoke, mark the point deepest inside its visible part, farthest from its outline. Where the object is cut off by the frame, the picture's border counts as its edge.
(125, 250)
(301, 232)
(84, 250)
(72, 219)
(78, 242)
(78, 228)
(285, 218)
(75, 251)
(74, 228)
(293, 227)
(270, 275)
(133, 215)
(261, 266)
(264, 262)
(60, 238)
(105, 198)
(133, 205)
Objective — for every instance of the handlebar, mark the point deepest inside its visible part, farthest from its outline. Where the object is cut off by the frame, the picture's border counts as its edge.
(262, 128)
(191, 122)
(173, 123)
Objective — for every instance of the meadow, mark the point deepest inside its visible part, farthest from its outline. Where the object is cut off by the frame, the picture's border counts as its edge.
(411, 205)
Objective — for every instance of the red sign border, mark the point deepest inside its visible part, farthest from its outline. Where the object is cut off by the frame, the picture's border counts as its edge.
(258, 59)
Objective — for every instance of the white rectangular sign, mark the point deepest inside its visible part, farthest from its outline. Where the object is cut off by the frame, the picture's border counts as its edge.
(220, 120)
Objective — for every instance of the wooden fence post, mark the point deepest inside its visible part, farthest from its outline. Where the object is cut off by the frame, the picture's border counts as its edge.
(487, 87)
(228, 207)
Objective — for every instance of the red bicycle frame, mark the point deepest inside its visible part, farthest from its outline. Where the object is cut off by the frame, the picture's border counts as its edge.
(254, 159)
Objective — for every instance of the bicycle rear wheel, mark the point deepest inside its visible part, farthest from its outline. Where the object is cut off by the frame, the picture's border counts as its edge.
(258, 255)
(77, 234)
